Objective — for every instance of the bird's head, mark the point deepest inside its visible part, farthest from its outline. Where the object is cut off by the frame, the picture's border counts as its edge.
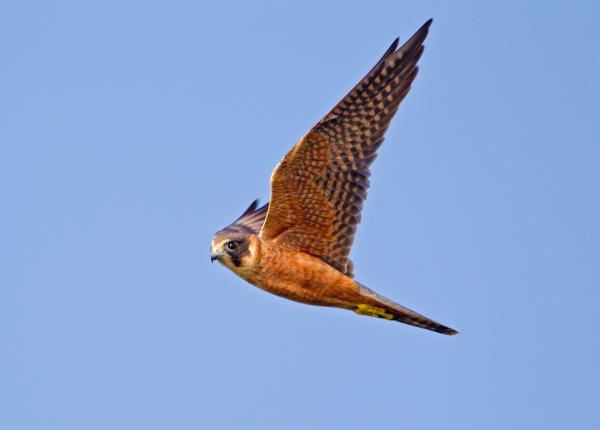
(237, 245)
(232, 247)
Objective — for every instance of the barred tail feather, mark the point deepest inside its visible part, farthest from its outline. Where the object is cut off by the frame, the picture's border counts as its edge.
(381, 307)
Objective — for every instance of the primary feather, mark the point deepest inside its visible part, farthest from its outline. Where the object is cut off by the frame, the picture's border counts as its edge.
(318, 189)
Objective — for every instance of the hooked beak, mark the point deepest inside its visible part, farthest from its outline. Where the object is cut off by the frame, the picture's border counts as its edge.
(216, 251)
(214, 256)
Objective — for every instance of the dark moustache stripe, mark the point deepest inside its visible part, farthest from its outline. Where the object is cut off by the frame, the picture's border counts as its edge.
(236, 260)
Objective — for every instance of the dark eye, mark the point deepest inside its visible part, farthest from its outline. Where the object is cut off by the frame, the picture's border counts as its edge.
(231, 246)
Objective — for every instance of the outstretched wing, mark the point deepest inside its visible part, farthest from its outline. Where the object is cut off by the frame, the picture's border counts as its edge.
(318, 189)
(251, 220)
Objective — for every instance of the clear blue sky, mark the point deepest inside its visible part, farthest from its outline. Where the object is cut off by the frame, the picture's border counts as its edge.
(132, 131)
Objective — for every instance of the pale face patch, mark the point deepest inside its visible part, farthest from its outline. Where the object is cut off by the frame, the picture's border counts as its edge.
(239, 260)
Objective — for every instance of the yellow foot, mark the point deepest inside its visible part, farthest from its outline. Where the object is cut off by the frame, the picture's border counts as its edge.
(373, 311)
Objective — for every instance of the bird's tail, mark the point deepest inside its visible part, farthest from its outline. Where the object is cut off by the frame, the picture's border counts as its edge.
(381, 307)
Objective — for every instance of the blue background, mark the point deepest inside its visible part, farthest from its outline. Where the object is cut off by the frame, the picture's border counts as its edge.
(132, 131)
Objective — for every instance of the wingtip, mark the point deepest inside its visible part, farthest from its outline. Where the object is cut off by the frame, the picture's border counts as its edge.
(393, 47)
(250, 209)
(425, 27)
(253, 206)
(418, 38)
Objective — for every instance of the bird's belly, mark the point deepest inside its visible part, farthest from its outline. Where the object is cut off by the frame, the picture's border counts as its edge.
(307, 279)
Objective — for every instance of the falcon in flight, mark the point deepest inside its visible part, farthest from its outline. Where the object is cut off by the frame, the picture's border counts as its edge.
(297, 245)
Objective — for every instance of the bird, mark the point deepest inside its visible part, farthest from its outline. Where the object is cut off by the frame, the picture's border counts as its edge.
(297, 245)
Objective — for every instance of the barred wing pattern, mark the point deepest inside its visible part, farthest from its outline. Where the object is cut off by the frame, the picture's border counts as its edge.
(318, 189)
(251, 220)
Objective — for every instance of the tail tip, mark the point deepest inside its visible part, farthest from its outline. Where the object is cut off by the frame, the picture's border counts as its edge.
(447, 330)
